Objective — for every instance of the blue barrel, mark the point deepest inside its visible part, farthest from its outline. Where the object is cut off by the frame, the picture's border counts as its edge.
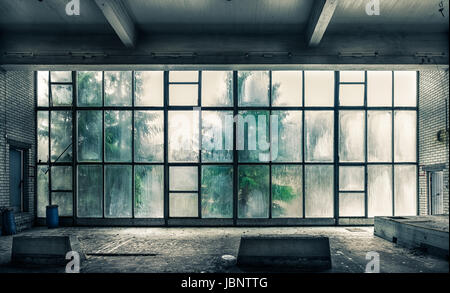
(52, 216)
(8, 223)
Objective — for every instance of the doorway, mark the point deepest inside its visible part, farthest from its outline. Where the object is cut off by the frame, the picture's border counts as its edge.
(16, 182)
(435, 192)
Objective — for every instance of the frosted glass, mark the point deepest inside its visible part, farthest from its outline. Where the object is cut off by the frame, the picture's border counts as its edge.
(351, 76)
(405, 136)
(64, 201)
(405, 192)
(149, 191)
(42, 190)
(149, 88)
(351, 136)
(118, 88)
(379, 136)
(351, 95)
(183, 136)
(89, 133)
(319, 201)
(118, 136)
(149, 136)
(42, 88)
(183, 76)
(351, 178)
(319, 88)
(286, 88)
(183, 205)
(183, 94)
(217, 88)
(379, 190)
(90, 195)
(61, 177)
(319, 136)
(61, 136)
(42, 132)
(217, 191)
(89, 88)
(287, 197)
(405, 88)
(351, 205)
(61, 76)
(253, 88)
(379, 88)
(61, 95)
(253, 140)
(118, 189)
(287, 143)
(183, 178)
(253, 196)
(217, 136)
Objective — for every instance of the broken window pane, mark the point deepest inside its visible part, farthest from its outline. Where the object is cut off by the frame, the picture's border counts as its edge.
(253, 196)
(89, 195)
(183, 205)
(351, 178)
(217, 191)
(183, 76)
(183, 178)
(42, 88)
(89, 132)
(287, 199)
(149, 136)
(351, 205)
(287, 142)
(379, 136)
(405, 192)
(118, 136)
(183, 136)
(117, 88)
(351, 95)
(405, 88)
(379, 88)
(252, 136)
(379, 190)
(149, 191)
(61, 136)
(61, 76)
(319, 88)
(351, 136)
(286, 88)
(89, 88)
(64, 201)
(42, 132)
(149, 88)
(217, 136)
(61, 95)
(253, 88)
(118, 191)
(217, 88)
(351, 76)
(405, 136)
(319, 201)
(183, 94)
(61, 177)
(42, 190)
(319, 136)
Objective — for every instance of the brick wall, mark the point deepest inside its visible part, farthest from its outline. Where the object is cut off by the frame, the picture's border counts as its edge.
(17, 128)
(433, 94)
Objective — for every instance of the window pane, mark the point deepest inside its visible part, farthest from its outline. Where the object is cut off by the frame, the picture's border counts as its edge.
(61, 76)
(351, 205)
(183, 178)
(42, 82)
(287, 141)
(64, 201)
(149, 88)
(217, 136)
(149, 136)
(42, 190)
(61, 95)
(319, 202)
(183, 205)
(61, 177)
(351, 76)
(89, 136)
(287, 199)
(379, 136)
(319, 136)
(319, 88)
(379, 190)
(118, 136)
(217, 191)
(117, 88)
(61, 136)
(405, 136)
(149, 191)
(351, 136)
(118, 191)
(42, 124)
(252, 139)
(253, 88)
(89, 88)
(405, 193)
(379, 88)
(405, 88)
(183, 94)
(286, 88)
(253, 196)
(89, 195)
(217, 88)
(183, 136)
(183, 76)
(351, 178)
(351, 95)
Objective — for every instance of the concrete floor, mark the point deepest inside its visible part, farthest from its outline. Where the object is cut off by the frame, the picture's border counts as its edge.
(195, 250)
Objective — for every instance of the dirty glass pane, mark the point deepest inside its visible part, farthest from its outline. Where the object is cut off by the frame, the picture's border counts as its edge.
(61, 76)
(253, 88)
(149, 191)
(405, 191)
(149, 136)
(405, 136)
(64, 201)
(405, 88)
(253, 196)
(287, 191)
(351, 178)
(217, 136)
(217, 191)
(319, 88)
(253, 141)
(379, 88)
(183, 205)
(42, 132)
(61, 177)
(118, 191)
(61, 95)
(319, 136)
(286, 88)
(351, 76)
(319, 191)
(351, 95)
(379, 190)
(351, 205)
(118, 136)
(183, 178)
(61, 136)
(42, 88)
(42, 190)
(379, 136)
(89, 195)
(149, 88)
(117, 88)
(89, 88)
(183, 76)
(89, 133)
(217, 88)
(183, 136)
(183, 95)
(351, 136)
(286, 136)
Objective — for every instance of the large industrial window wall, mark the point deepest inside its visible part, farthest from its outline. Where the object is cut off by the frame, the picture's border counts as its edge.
(227, 147)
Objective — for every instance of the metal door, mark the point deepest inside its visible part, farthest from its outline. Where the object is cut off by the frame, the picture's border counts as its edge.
(16, 179)
(436, 192)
